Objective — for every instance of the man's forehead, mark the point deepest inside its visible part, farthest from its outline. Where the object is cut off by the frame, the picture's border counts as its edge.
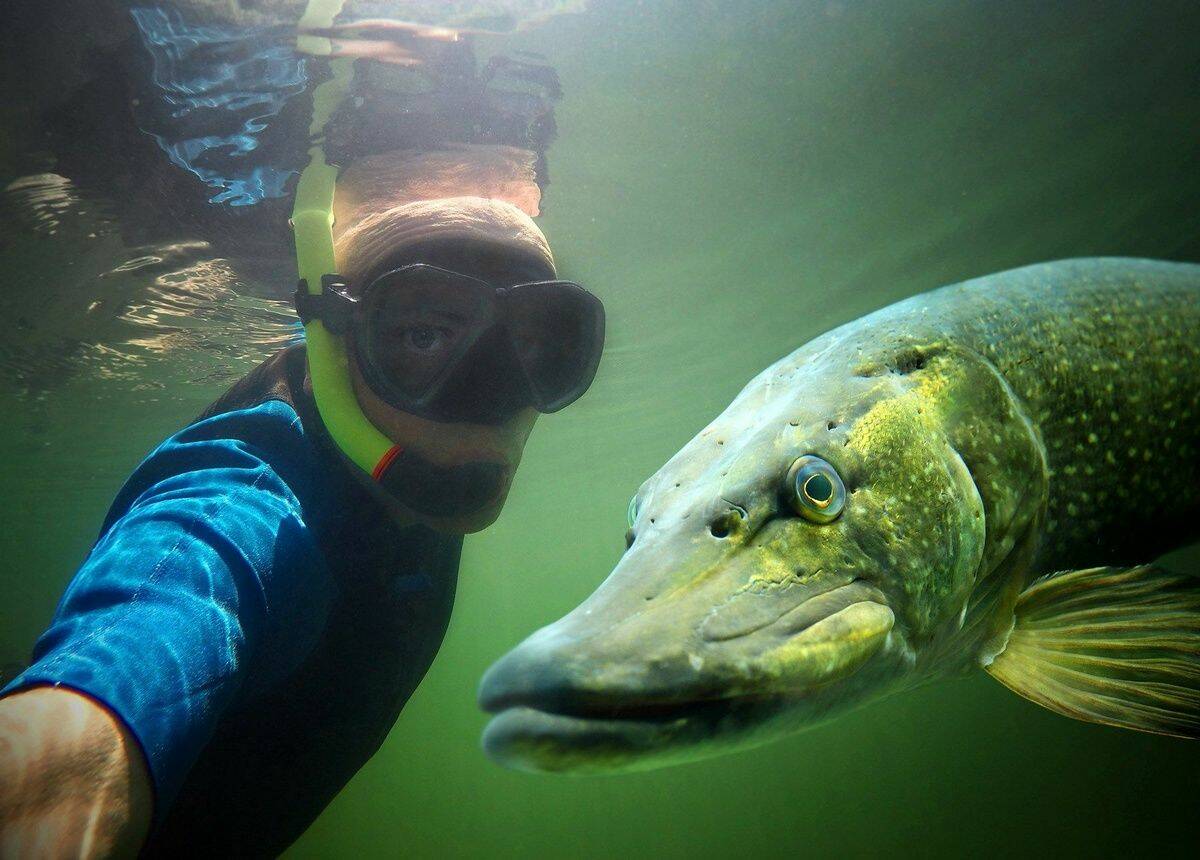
(476, 257)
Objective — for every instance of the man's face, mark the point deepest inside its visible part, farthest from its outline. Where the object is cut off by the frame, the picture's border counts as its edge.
(447, 447)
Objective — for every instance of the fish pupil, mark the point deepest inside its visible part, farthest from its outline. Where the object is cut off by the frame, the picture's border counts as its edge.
(819, 489)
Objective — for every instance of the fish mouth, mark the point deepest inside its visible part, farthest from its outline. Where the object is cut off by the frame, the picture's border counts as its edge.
(555, 713)
(633, 738)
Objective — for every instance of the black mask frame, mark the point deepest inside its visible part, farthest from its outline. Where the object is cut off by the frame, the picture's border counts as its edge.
(491, 312)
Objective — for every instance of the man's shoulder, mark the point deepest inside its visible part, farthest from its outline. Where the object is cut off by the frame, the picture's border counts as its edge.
(279, 379)
(256, 448)
(261, 425)
(254, 435)
(267, 413)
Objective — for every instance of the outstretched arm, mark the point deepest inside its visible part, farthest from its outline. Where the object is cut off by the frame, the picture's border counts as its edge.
(205, 557)
(73, 782)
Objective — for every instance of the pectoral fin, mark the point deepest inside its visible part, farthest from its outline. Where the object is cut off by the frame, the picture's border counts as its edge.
(1119, 646)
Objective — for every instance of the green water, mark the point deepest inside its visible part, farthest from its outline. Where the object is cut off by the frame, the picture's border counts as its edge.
(732, 179)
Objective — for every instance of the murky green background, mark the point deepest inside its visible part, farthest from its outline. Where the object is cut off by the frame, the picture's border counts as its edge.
(733, 179)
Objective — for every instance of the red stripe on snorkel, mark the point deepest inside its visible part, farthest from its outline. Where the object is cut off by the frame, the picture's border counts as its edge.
(385, 461)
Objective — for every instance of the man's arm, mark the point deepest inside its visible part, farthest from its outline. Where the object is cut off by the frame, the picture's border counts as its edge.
(73, 782)
(204, 558)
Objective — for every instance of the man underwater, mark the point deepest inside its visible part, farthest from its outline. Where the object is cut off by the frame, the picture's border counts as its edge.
(258, 609)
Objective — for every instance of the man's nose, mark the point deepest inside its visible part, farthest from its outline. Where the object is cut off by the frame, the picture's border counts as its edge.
(488, 387)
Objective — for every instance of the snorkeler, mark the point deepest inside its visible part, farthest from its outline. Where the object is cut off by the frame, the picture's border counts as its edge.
(257, 610)
(274, 580)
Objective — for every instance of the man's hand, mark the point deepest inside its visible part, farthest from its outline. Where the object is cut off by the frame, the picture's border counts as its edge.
(397, 42)
(73, 782)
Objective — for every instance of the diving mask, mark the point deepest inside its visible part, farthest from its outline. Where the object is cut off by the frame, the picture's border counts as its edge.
(450, 347)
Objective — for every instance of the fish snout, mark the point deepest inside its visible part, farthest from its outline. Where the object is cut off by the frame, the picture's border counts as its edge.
(561, 670)
(687, 671)
(568, 703)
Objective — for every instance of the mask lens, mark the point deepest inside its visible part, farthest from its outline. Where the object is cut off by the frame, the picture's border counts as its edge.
(557, 333)
(418, 321)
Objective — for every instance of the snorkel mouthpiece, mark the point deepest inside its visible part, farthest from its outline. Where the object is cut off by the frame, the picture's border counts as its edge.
(439, 491)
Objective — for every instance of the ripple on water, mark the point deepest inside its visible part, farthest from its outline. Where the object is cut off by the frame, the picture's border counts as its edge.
(82, 307)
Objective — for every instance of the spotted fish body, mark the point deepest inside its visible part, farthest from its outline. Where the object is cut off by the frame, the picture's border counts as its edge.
(1103, 359)
(1014, 451)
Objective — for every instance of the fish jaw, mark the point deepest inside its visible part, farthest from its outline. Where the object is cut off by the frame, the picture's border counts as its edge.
(579, 697)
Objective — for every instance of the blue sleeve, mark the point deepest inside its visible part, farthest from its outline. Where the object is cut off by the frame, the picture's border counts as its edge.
(181, 608)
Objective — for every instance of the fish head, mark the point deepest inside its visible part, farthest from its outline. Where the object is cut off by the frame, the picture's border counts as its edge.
(805, 553)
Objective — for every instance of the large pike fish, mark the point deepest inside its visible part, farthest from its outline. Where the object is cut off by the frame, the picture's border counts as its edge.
(978, 477)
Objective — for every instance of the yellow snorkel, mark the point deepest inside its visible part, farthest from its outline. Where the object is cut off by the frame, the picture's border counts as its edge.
(312, 222)
(469, 489)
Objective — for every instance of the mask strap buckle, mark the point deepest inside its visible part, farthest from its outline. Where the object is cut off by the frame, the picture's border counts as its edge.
(334, 306)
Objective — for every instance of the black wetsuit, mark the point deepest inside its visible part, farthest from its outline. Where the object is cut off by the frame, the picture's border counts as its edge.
(256, 616)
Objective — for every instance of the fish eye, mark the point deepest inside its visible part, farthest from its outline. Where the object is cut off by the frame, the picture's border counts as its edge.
(815, 490)
(631, 512)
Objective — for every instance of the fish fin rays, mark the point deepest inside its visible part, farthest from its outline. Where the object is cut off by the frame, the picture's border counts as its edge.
(1117, 646)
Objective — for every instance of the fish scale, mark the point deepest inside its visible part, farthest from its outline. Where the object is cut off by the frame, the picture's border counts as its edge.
(1107, 371)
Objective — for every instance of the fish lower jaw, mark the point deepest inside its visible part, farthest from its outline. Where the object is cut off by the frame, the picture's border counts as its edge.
(605, 740)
